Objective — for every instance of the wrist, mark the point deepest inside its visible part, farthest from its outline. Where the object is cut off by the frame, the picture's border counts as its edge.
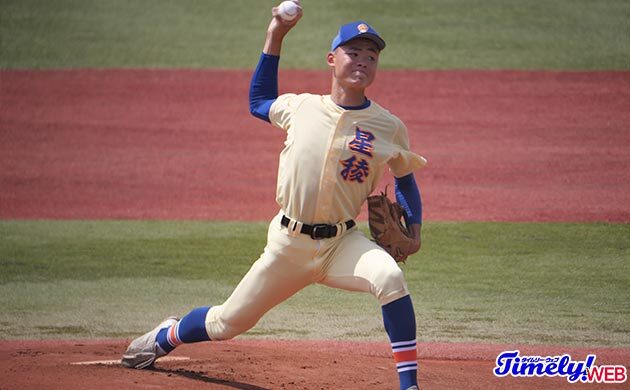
(416, 230)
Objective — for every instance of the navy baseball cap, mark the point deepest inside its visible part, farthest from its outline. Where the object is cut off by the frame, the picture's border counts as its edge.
(358, 29)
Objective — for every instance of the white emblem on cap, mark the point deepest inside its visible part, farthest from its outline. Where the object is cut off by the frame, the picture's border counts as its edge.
(363, 28)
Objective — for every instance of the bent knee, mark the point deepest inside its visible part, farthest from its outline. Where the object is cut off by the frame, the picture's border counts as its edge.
(223, 331)
(390, 285)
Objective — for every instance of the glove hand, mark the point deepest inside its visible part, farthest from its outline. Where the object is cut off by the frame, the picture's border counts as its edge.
(416, 243)
(390, 230)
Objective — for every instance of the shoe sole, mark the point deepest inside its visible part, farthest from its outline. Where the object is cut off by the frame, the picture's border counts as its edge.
(138, 361)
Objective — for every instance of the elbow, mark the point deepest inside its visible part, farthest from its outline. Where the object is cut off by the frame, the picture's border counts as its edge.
(252, 105)
(260, 108)
(257, 112)
(252, 109)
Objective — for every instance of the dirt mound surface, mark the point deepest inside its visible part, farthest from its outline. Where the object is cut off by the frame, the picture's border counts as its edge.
(277, 364)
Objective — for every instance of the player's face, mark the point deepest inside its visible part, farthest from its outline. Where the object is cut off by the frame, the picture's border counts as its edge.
(354, 64)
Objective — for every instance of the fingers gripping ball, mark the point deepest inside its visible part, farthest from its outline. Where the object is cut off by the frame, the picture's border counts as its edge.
(288, 10)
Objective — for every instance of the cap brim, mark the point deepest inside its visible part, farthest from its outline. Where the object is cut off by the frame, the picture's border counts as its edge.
(380, 43)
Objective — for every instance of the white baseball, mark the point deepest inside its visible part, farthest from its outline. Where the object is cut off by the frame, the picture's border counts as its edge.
(288, 10)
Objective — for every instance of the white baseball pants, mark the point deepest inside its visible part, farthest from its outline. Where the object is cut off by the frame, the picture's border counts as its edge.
(292, 261)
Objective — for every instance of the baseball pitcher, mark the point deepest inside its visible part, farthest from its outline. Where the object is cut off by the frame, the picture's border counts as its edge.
(336, 150)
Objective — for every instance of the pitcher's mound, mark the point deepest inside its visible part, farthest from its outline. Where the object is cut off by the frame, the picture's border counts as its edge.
(273, 364)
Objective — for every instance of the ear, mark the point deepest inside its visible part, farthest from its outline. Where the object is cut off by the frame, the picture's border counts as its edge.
(330, 59)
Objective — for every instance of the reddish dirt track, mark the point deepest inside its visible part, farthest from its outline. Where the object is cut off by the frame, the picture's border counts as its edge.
(258, 364)
(165, 144)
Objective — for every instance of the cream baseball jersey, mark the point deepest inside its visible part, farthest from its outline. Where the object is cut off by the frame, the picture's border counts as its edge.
(333, 157)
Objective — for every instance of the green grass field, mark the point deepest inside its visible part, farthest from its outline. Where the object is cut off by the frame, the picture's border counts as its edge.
(435, 34)
(563, 284)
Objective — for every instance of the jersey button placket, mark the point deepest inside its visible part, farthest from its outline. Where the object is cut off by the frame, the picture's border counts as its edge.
(329, 174)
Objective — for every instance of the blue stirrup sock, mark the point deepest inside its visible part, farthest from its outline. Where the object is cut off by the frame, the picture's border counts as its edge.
(190, 329)
(400, 324)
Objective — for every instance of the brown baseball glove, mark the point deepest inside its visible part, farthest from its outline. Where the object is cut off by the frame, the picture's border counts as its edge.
(388, 227)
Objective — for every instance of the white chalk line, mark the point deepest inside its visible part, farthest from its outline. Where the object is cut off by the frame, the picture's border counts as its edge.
(117, 361)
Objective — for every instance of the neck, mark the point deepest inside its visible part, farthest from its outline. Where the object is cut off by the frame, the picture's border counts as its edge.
(347, 97)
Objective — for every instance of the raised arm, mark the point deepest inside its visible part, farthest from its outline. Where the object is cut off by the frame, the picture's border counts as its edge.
(263, 89)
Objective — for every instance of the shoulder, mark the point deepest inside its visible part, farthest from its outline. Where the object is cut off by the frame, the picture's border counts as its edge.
(393, 123)
(293, 100)
(288, 106)
(294, 97)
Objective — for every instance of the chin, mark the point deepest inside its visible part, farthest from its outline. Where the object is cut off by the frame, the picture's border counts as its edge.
(360, 82)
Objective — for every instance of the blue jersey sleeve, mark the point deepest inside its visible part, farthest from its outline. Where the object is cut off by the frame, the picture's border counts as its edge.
(408, 195)
(263, 89)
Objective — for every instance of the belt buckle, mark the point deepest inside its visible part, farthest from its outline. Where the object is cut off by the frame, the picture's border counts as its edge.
(320, 227)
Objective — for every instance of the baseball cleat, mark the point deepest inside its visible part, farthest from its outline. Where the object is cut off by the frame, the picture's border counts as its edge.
(141, 353)
(414, 387)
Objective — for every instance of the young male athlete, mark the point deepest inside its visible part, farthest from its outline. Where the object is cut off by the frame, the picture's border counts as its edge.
(336, 149)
